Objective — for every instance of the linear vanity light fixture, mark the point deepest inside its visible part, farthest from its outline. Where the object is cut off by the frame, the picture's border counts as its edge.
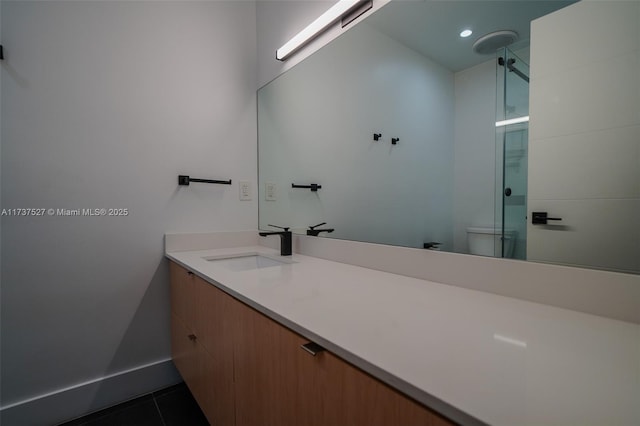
(512, 121)
(337, 11)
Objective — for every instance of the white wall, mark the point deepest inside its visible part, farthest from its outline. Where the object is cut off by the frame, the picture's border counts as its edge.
(316, 124)
(585, 135)
(1, 204)
(103, 105)
(474, 151)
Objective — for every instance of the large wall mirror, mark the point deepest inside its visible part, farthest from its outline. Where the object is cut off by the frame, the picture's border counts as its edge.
(521, 140)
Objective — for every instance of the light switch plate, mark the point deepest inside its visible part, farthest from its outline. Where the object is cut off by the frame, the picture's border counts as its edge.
(245, 190)
(270, 191)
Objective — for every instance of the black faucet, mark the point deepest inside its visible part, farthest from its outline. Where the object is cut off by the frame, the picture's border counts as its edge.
(285, 239)
(315, 232)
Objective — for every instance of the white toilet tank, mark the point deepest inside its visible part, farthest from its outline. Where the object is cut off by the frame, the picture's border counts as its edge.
(487, 241)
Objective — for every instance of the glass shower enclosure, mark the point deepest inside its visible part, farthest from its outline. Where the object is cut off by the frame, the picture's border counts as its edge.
(512, 136)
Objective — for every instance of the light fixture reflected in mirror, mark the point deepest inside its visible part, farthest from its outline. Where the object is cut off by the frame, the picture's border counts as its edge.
(512, 121)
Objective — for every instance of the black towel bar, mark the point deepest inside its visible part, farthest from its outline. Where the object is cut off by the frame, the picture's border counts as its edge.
(313, 187)
(185, 180)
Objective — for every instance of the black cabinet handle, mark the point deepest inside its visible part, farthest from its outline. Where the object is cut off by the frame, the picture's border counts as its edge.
(190, 273)
(313, 348)
(541, 218)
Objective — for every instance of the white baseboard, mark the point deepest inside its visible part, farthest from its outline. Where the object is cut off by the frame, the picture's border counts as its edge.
(83, 398)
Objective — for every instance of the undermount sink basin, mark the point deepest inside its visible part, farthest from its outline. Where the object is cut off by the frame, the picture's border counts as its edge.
(248, 261)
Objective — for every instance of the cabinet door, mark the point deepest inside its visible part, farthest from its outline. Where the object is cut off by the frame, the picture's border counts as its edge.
(276, 382)
(279, 384)
(194, 363)
(355, 398)
(190, 359)
(182, 294)
(216, 322)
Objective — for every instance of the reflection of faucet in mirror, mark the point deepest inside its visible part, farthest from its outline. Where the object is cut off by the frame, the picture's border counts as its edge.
(315, 232)
(285, 239)
(432, 245)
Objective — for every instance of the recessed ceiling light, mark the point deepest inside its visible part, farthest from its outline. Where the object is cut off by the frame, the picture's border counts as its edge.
(465, 33)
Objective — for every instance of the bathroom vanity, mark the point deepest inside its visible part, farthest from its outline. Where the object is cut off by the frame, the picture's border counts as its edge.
(303, 340)
(244, 368)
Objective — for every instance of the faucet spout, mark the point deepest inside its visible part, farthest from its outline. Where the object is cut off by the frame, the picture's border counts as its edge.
(286, 238)
(315, 232)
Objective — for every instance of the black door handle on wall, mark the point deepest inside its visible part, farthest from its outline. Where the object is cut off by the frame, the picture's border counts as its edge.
(541, 218)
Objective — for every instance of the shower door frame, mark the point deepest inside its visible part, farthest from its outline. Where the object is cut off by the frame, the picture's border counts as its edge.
(511, 70)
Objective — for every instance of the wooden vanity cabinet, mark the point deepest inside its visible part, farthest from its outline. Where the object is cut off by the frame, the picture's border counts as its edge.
(245, 369)
(202, 343)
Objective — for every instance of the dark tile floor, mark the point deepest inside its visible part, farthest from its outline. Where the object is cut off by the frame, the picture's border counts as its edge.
(173, 406)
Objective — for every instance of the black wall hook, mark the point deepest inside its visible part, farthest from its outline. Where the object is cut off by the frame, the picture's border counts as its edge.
(377, 136)
(185, 180)
(395, 141)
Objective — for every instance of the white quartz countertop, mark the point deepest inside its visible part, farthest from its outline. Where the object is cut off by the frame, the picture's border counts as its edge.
(476, 357)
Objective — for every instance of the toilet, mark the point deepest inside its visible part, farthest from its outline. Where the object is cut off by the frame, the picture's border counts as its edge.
(487, 241)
